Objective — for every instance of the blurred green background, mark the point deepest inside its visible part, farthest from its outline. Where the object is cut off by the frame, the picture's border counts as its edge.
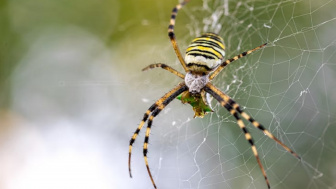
(72, 94)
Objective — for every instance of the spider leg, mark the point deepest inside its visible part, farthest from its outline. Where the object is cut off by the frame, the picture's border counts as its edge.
(256, 124)
(241, 124)
(171, 33)
(261, 127)
(136, 133)
(173, 94)
(248, 137)
(166, 67)
(204, 98)
(145, 117)
(225, 63)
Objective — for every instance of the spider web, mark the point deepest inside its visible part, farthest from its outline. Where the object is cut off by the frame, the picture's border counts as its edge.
(73, 98)
(287, 86)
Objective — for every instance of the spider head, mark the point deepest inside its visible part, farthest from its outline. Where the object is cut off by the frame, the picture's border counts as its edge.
(195, 82)
(205, 53)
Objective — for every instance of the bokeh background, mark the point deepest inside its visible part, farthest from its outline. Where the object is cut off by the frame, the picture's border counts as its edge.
(72, 94)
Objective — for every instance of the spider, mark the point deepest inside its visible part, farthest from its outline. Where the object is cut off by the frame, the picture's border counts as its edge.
(202, 63)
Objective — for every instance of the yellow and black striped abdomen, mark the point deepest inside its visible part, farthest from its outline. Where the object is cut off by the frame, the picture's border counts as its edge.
(205, 53)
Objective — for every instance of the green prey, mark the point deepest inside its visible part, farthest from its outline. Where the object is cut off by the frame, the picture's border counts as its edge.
(199, 103)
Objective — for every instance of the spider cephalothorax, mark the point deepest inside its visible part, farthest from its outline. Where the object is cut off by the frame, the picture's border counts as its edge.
(202, 63)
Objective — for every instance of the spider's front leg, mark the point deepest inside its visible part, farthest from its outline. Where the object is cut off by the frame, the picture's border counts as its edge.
(149, 114)
(234, 110)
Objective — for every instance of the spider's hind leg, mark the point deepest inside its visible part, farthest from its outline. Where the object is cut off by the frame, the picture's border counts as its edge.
(225, 63)
(171, 33)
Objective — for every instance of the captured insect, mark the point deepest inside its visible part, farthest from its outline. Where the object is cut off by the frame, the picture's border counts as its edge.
(203, 61)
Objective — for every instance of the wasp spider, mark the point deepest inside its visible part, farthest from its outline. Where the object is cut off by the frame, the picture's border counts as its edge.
(202, 63)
